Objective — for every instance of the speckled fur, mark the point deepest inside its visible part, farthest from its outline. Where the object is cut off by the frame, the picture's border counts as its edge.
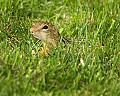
(48, 36)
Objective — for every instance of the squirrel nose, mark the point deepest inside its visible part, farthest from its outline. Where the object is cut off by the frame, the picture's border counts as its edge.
(31, 30)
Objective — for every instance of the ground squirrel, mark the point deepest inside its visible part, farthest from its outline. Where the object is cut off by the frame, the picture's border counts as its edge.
(47, 33)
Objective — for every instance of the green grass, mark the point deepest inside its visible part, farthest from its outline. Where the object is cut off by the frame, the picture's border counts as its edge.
(88, 67)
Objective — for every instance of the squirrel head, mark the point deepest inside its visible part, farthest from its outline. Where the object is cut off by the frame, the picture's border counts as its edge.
(46, 32)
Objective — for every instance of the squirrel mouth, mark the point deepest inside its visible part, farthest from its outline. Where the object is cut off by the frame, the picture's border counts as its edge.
(36, 36)
(43, 36)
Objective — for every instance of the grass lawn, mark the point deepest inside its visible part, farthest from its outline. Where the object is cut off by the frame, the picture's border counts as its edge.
(88, 67)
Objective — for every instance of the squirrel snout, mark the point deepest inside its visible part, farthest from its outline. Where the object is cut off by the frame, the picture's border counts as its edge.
(31, 30)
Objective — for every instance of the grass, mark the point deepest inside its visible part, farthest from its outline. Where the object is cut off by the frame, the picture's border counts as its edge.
(88, 67)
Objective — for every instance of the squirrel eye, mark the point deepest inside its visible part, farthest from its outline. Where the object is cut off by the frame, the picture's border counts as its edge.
(45, 27)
